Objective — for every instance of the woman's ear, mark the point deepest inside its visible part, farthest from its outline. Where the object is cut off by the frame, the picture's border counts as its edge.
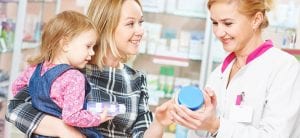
(257, 20)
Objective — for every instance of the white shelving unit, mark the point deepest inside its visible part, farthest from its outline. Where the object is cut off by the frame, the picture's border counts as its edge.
(17, 53)
(177, 35)
(170, 27)
(4, 83)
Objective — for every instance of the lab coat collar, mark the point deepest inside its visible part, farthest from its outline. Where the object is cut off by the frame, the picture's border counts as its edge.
(253, 55)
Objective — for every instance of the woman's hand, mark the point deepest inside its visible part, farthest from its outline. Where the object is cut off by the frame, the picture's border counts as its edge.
(162, 119)
(202, 119)
(52, 126)
(70, 132)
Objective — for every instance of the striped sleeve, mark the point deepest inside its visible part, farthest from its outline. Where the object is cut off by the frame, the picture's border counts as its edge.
(144, 114)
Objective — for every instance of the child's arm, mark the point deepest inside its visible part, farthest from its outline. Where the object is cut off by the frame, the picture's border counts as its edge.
(22, 80)
(71, 99)
(29, 120)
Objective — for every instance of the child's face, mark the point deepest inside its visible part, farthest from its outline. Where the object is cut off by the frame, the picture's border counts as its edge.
(129, 31)
(79, 50)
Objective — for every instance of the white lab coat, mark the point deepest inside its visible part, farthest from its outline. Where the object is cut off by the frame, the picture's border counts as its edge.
(271, 84)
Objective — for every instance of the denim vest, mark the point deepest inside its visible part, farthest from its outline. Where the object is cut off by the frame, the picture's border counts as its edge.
(39, 89)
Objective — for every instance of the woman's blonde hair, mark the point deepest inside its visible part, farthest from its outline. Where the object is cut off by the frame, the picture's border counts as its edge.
(250, 8)
(106, 15)
(65, 25)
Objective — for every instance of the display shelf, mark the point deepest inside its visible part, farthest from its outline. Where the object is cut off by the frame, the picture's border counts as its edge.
(31, 1)
(30, 45)
(16, 48)
(174, 48)
(171, 60)
(29, 13)
(193, 8)
(176, 21)
(21, 13)
(294, 52)
(284, 24)
(8, 1)
(145, 64)
(4, 83)
(202, 16)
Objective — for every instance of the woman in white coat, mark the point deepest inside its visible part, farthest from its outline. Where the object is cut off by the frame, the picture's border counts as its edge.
(255, 92)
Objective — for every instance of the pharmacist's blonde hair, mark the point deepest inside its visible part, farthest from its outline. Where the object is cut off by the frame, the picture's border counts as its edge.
(65, 25)
(250, 8)
(106, 15)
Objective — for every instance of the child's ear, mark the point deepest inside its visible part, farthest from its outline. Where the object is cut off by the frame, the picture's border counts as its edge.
(63, 43)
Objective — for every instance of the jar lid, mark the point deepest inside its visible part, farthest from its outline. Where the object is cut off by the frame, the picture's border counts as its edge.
(191, 97)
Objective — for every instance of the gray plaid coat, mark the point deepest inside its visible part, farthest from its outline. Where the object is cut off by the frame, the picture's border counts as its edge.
(125, 86)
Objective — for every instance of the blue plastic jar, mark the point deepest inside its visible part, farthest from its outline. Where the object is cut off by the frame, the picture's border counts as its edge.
(191, 97)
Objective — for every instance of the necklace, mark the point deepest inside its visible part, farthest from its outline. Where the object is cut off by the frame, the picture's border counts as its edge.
(237, 65)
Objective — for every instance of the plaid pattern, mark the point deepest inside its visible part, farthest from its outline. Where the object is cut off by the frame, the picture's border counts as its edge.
(21, 113)
(125, 86)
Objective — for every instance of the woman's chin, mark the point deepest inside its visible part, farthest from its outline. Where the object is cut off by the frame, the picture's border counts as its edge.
(228, 48)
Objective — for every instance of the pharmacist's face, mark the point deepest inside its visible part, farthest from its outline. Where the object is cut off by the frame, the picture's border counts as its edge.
(232, 28)
(129, 31)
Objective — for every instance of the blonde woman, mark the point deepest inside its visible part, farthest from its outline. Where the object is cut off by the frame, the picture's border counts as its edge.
(119, 26)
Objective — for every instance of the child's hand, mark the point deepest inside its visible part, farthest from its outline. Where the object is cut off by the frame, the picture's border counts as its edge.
(104, 116)
(162, 113)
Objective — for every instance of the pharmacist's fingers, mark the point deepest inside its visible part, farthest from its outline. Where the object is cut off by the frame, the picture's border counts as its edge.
(207, 100)
(212, 95)
(210, 98)
(182, 121)
(193, 117)
(189, 114)
(186, 116)
(179, 111)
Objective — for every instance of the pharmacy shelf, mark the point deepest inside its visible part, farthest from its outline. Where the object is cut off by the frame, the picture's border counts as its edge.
(294, 52)
(171, 60)
(19, 45)
(4, 83)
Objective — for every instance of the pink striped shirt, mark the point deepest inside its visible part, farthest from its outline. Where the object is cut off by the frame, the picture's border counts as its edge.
(68, 92)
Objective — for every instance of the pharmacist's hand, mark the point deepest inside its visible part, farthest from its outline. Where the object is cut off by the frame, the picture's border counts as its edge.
(162, 114)
(202, 119)
(104, 116)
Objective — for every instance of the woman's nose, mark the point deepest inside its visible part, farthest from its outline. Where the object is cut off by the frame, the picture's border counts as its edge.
(139, 30)
(219, 31)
